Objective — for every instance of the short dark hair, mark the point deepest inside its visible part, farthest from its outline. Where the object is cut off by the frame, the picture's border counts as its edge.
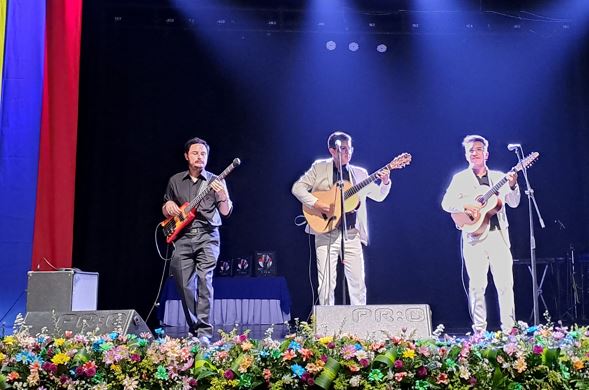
(475, 138)
(193, 141)
(337, 135)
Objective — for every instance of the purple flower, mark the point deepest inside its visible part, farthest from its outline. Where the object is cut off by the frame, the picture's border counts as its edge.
(364, 362)
(49, 367)
(421, 372)
(538, 349)
(398, 364)
(229, 375)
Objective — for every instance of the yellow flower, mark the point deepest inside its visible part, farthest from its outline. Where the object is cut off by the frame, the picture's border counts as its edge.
(59, 342)
(60, 358)
(2, 357)
(9, 340)
(246, 362)
(409, 353)
(116, 368)
(326, 339)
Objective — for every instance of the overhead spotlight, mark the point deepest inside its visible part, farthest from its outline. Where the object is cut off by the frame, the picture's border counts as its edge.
(381, 48)
(330, 45)
(353, 46)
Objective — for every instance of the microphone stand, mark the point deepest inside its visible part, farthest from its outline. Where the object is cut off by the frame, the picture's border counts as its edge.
(343, 221)
(531, 199)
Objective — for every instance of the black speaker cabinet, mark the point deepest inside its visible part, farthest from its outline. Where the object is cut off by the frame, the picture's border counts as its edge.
(62, 291)
(82, 322)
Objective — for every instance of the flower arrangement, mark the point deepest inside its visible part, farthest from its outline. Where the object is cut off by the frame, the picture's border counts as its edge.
(542, 357)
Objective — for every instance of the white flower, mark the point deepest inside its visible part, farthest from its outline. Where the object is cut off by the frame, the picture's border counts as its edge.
(355, 381)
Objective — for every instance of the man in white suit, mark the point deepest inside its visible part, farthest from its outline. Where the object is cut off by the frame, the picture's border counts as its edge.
(322, 176)
(491, 249)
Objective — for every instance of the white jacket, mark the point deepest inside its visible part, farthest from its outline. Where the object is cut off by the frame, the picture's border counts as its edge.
(320, 178)
(464, 184)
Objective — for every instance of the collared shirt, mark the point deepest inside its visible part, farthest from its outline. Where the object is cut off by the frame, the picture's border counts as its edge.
(484, 181)
(181, 189)
(351, 215)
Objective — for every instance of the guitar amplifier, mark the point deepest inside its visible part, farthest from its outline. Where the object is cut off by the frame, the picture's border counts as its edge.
(62, 291)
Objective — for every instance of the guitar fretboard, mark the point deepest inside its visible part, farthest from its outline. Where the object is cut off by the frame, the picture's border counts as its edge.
(357, 187)
(194, 202)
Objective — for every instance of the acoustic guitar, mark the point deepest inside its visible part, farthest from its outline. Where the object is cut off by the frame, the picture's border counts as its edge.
(322, 222)
(489, 201)
(174, 225)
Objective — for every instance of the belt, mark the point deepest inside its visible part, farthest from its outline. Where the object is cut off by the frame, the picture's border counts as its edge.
(195, 230)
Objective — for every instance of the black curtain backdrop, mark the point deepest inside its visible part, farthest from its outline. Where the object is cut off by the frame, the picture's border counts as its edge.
(272, 100)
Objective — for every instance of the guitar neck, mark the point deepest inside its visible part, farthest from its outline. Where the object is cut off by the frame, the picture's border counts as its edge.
(194, 202)
(495, 189)
(357, 187)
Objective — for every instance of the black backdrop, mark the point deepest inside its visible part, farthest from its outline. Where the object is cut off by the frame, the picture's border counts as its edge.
(272, 99)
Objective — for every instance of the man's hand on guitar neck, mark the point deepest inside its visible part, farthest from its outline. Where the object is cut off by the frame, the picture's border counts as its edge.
(171, 209)
(512, 179)
(384, 175)
(472, 211)
(324, 208)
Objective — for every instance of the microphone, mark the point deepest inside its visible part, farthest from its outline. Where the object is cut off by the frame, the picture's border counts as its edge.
(512, 147)
(338, 144)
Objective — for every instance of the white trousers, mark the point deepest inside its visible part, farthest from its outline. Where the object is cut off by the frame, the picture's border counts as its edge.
(328, 249)
(490, 252)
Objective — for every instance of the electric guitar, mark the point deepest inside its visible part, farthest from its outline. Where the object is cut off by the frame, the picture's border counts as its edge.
(174, 225)
(322, 222)
(489, 201)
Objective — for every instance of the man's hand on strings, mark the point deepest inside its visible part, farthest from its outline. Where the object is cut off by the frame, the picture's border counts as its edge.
(172, 209)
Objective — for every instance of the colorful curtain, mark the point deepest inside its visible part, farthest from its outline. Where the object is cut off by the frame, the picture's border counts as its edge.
(39, 59)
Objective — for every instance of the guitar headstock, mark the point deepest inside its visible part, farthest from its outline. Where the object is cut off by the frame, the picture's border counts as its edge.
(401, 161)
(526, 162)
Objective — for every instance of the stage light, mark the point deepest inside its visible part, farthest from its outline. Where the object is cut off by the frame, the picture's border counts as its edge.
(330, 45)
(382, 48)
(353, 46)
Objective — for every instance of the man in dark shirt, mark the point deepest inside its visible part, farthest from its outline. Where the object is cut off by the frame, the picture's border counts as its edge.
(489, 250)
(197, 248)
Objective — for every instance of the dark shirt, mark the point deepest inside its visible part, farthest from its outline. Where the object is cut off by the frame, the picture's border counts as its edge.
(351, 215)
(182, 189)
(484, 181)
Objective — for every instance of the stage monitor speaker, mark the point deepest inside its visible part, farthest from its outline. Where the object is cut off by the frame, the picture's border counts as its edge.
(374, 322)
(82, 322)
(68, 290)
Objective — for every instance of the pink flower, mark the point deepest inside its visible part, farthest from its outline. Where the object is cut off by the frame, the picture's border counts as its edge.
(267, 374)
(442, 379)
(400, 375)
(538, 349)
(398, 364)
(288, 354)
(229, 375)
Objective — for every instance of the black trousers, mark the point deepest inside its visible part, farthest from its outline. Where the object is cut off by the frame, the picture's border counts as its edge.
(193, 262)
